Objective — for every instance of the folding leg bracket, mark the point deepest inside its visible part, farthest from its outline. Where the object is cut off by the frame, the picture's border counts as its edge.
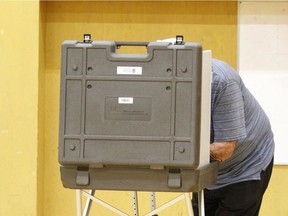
(82, 177)
(174, 179)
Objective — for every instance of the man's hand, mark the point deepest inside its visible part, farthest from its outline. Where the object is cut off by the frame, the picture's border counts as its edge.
(221, 151)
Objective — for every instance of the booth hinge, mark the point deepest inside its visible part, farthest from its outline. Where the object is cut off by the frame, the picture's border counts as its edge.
(174, 178)
(82, 176)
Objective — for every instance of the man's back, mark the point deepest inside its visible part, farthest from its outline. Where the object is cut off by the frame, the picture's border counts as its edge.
(236, 115)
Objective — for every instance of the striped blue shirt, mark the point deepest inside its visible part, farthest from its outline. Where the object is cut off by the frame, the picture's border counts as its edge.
(236, 115)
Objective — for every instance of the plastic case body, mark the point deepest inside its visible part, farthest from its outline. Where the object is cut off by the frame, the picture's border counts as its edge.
(132, 121)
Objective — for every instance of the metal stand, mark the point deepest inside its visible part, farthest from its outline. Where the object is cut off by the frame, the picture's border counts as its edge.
(154, 210)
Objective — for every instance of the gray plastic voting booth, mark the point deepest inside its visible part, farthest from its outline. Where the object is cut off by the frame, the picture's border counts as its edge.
(137, 122)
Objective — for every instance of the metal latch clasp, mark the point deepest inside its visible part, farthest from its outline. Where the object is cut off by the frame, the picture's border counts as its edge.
(82, 176)
(87, 38)
(179, 40)
(174, 178)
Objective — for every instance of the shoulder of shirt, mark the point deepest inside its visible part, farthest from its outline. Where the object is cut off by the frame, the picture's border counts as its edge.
(223, 72)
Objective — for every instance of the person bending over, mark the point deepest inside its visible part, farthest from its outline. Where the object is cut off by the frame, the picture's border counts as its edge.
(242, 141)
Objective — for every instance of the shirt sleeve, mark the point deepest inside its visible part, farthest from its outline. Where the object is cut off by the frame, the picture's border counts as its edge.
(228, 120)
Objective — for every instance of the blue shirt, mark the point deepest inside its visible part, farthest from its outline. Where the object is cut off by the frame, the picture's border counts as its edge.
(236, 115)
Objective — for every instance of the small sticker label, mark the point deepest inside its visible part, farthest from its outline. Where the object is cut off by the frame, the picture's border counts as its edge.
(129, 70)
(125, 100)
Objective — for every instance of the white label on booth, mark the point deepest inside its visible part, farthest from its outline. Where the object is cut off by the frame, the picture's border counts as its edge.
(129, 70)
(125, 100)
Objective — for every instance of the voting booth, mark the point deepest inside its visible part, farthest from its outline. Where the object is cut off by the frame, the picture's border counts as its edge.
(137, 122)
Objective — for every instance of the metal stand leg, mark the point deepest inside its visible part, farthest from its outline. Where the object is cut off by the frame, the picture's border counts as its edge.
(135, 203)
(170, 203)
(88, 203)
(78, 203)
(94, 199)
(188, 204)
(90, 197)
(152, 201)
(201, 204)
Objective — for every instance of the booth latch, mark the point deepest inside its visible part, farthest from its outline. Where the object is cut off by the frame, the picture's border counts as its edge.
(174, 178)
(82, 176)
(179, 40)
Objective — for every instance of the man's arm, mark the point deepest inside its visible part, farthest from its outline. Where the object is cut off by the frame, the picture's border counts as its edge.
(221, 151)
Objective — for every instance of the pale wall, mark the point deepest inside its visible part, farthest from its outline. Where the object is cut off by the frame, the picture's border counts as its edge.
(263, 54)
(19, 56)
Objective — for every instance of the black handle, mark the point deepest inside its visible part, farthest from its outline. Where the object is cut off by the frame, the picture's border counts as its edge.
(120, 43)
